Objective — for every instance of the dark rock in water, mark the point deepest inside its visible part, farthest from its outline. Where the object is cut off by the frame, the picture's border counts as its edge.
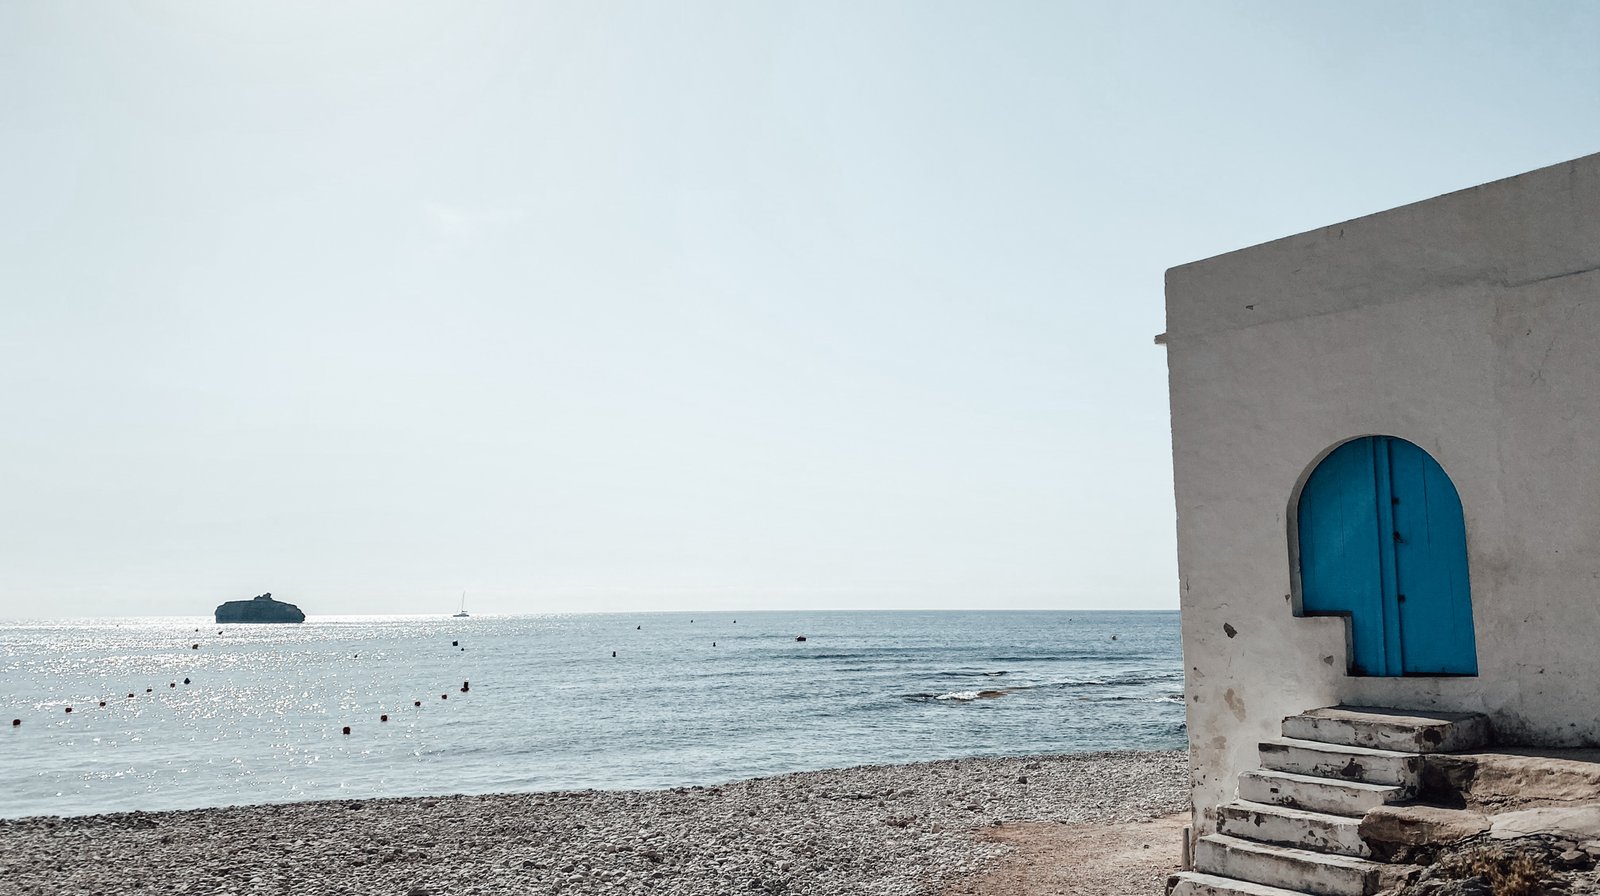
(260, 609)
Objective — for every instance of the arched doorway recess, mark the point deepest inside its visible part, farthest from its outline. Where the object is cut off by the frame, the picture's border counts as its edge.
(1382, 539)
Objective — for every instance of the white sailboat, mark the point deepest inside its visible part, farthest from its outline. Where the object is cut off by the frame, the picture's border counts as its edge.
(463, 614)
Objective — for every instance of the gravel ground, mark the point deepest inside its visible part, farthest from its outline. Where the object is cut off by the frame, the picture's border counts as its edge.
(896, 830)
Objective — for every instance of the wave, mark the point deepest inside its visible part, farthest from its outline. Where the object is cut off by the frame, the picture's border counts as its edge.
(1075, 656)
(1139, 676)
(968, 673)
(960, 696)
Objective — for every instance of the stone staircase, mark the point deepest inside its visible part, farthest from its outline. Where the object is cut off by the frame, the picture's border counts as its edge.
(1294, 828)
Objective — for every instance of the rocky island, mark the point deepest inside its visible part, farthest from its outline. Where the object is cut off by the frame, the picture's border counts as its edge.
(262, 608)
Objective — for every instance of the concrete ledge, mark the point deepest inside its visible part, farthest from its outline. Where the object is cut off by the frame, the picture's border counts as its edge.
(1291, 869)
(1193, 883)
(1406, 731)
(1345, 763)
(1388, 829)
(1292, 827)
(1352, 798)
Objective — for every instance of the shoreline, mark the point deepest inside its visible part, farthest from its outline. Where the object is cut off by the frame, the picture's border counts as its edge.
(909, 829)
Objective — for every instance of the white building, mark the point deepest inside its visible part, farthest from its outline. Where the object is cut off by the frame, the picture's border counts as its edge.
(1464, 333)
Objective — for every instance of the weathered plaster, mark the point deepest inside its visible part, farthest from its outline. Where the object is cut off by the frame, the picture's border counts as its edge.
(1467, 324)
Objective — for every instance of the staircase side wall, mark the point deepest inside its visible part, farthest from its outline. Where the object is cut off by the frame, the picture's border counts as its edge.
(1468, 324)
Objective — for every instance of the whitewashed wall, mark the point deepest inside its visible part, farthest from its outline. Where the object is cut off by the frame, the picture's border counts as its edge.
(1468, 324)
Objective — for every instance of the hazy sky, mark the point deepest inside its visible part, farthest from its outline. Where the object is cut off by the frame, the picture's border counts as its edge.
(670, 305)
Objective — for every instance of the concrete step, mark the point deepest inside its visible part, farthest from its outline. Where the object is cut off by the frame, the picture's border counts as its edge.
(1193, 883)
(1352, 798)
(1403, 730)
(1345, 763)
(1292, 827)
(1301, 870)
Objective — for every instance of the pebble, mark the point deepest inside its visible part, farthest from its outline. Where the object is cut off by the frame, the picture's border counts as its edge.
(808, 834)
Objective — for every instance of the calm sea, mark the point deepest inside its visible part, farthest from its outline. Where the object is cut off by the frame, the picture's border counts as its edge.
(256, 713)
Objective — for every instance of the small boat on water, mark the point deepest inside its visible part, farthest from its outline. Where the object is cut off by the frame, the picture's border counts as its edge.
(463, 614)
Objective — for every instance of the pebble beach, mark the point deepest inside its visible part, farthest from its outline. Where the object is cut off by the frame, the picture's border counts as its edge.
(889, 830)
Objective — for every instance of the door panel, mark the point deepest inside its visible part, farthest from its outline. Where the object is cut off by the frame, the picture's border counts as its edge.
(1339, 550)
(1430, 555)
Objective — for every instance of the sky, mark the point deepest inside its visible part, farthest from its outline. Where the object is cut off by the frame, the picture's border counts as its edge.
(659, 306)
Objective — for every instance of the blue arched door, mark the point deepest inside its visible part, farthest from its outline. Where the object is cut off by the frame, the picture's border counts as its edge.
(1383, 540)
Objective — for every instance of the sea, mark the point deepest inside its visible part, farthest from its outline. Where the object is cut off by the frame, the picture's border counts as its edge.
(180, 712)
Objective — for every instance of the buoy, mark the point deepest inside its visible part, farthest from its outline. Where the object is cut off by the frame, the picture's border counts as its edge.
(638, 628)
(455, 643)
(69, 709)
(466, 686)
(416, 703)
(347, 729)
(383, 718)
(713, 643)
(130, 696)
(613, 654)
(102, 703)
(194, 646)
(1113, 637)
(149, 690)
(186, 681)
(444, 696)
(15, 722)
(172, 684)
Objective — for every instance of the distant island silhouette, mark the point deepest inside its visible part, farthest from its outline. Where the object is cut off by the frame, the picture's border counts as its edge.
(261, 608)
